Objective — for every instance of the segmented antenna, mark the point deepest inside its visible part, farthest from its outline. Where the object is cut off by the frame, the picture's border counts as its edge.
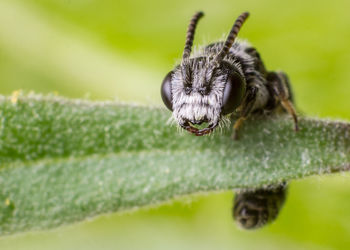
(190, 34)
(232, 36)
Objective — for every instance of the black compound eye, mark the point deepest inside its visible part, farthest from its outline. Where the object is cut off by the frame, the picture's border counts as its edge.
(165, 91)
(233, 93)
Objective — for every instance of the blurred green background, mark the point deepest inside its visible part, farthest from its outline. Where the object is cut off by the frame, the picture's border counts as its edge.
(107, 49)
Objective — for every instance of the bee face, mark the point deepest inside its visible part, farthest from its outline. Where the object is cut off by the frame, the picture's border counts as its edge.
(196, 96)
(254, 209)
(200, 94)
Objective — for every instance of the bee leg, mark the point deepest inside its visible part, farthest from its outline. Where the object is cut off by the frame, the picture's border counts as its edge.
(246, 109)
(236, 127)
(288, 105)
(282, 93)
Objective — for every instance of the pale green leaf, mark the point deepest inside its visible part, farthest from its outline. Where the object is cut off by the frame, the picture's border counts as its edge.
(62, 161)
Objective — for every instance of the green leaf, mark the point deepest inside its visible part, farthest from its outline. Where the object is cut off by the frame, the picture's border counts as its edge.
(62, 161)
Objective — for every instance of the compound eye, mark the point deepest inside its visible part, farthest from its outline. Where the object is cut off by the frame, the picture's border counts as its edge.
(233, 93)
(165, 91)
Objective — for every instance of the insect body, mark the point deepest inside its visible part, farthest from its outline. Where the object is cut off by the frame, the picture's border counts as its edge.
(256, 208)
(222, 78)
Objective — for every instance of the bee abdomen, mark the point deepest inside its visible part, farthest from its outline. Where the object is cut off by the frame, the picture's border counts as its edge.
(254, 209)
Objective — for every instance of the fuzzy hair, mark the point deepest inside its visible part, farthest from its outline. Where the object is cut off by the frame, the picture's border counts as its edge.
(195, 106)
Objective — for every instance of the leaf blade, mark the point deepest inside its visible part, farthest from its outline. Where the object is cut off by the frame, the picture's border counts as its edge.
(63, 161)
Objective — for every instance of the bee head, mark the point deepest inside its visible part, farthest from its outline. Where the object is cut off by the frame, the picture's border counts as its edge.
(201, 90)
(200, 95)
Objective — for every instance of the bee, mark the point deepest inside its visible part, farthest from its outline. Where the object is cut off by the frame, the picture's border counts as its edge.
(222, 78)
(253, 209)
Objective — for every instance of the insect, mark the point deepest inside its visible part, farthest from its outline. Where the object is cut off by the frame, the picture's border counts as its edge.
(223, 78)
(253, 209)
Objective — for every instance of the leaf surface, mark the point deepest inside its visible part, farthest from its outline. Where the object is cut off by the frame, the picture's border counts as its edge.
(62, 161)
